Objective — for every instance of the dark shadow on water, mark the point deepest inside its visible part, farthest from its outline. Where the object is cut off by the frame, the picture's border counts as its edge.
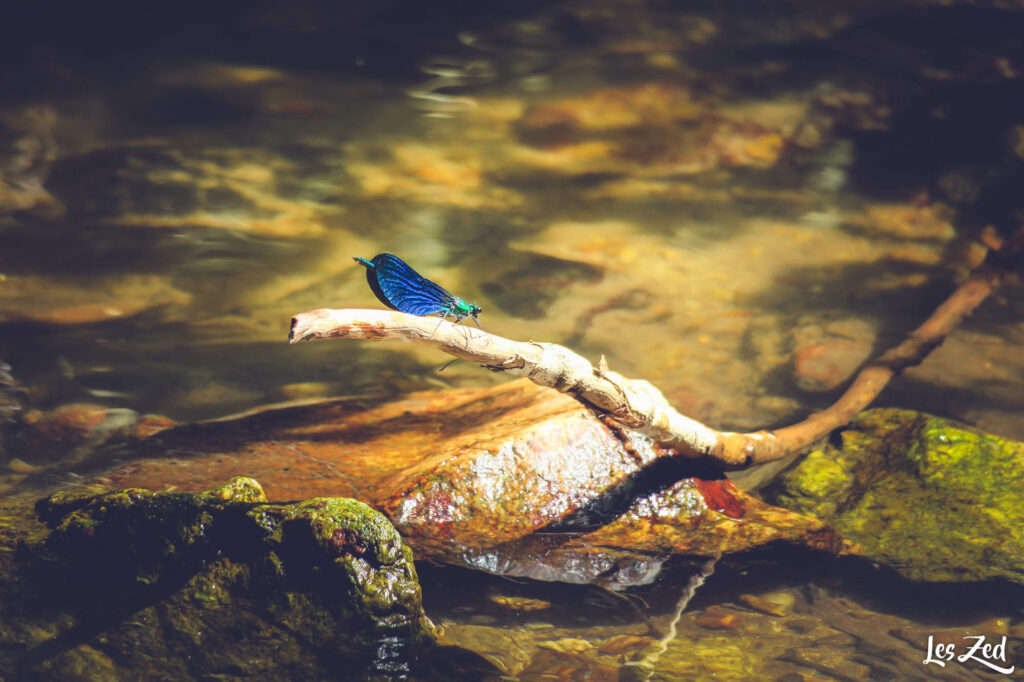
(864, 291)
(527, 292)
(860, 290)
(951, 401)
(456, 592)
(945, 77)
(186, 107)
(871, 585)
(85, 250)
(391, 37)
(465, 595)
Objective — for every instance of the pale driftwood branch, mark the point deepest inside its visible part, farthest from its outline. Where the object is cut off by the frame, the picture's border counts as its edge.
(636, 403)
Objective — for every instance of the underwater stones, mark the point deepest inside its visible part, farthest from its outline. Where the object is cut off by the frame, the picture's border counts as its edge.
(851, 641)
(930, 498)
(48, 435)
(60, 301)
(826, 365)
(221, 579)
(728, 306)
(528, 292)
(70, 430)
(160, 186)
(826, 354)
(854, 110)
(610, 109)
(454, 177)
(778, 603)
(716, 618)
(28, 148)
(655, 130)
(929, 222)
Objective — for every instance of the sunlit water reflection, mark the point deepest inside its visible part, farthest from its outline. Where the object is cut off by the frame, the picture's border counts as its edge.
(705, 196)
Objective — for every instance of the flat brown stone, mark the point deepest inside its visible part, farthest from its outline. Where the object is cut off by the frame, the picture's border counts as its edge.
(512, 479)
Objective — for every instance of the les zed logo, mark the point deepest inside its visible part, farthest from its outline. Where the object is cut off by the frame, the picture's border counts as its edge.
(981, 651)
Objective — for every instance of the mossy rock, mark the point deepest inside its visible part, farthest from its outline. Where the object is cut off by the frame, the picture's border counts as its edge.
(172, 585)
(926, 496)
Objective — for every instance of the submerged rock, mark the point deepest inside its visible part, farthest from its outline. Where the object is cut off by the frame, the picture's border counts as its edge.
(182, 585)
(655, 130)
(28, 149)
(826, 355)
(851, 642)
(70, 432)
(931, 498)
(430, 174)
(167, 186)
(682, 628)
(12, 404)
(48, 300)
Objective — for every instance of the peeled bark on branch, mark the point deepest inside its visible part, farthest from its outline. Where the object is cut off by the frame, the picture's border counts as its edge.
(637, 404)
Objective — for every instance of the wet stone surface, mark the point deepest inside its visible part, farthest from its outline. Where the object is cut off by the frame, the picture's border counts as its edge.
(929, 497)
(147, 584)
(514, 480)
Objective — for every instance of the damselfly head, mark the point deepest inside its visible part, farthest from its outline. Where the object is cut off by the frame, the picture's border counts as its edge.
(461, 309)
(475, 310)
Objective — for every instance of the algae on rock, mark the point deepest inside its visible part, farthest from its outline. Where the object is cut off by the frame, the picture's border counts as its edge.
(182, 585)
(932, 499)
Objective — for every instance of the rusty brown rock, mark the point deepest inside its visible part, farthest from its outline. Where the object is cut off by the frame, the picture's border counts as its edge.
(625, 644)
(773, 604)
(824, 358)
(149, 425)
(512, 479)
(47, 436)
(717, 618)
(519, 603)
(826, 366)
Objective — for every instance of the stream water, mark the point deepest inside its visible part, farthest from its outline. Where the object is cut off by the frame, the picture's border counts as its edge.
(737, 202)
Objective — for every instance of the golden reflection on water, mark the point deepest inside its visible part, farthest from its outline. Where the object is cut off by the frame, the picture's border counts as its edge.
(669, 189)
(702, 238)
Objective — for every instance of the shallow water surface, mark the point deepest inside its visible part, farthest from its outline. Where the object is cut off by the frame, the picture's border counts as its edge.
(738, 204)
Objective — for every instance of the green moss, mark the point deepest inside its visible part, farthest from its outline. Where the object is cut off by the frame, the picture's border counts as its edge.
(816, 488)
(238, 489)
(929, 497)
(182, 585)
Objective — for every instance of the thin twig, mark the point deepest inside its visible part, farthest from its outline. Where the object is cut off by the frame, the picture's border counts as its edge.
(639, 405)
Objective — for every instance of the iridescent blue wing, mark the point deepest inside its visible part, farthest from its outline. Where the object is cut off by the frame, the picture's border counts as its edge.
(371, 279)
(404, 289)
